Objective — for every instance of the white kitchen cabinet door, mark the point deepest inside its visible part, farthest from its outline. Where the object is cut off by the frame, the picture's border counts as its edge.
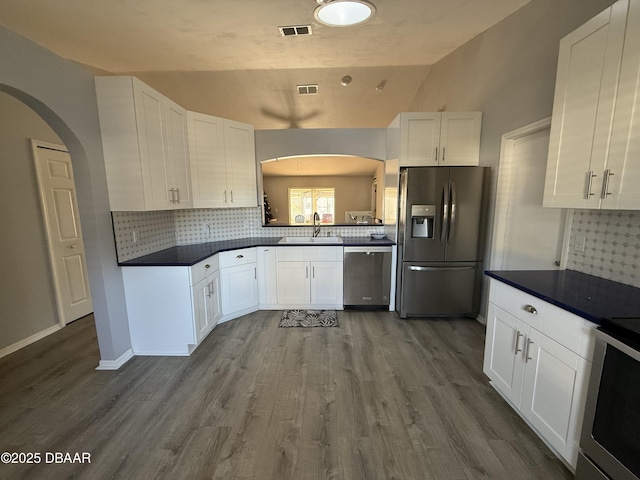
(586, 82)
(621, 187)
(506, 336)
(553, 392)
(178, 155)
(326, 283)
(200, 293)
(208, 164)
(419, 139)
(214, 300)
(239, 288)
(153, 146)
(294, 283)
(267, 277)
(460, 138)
(240, 155)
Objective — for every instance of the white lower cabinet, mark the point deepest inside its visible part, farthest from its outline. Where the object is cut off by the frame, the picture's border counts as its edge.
(239, 282)
(538, 357)
(309, 277)
(206, 303)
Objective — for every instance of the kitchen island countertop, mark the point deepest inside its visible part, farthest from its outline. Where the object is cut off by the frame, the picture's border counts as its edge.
(188, 255)
(585, 295)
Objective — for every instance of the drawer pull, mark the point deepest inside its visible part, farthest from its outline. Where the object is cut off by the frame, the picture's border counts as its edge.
(207, 266)
(530, 309)
(239, 256)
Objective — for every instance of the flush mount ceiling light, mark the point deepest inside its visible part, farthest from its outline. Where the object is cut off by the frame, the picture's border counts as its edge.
(343, 13)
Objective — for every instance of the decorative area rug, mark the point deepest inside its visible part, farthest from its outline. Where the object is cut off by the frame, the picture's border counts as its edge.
(309, 318)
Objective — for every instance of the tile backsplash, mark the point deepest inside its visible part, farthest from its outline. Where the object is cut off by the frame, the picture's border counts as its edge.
(159, 230)
(612, 244)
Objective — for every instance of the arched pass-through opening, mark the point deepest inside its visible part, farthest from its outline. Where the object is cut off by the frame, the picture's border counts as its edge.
(104, 277)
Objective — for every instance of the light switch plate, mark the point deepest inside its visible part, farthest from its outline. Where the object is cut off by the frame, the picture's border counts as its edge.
(578, 245)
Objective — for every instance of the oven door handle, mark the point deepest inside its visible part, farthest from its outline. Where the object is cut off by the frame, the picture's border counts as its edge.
(617, 344)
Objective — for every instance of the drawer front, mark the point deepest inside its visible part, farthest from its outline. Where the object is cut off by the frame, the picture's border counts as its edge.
(237, 257)
(290, 254)
(309, 254)
(204, 268)
(520, 304)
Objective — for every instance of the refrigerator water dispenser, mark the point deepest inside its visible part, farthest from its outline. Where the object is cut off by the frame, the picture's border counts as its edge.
(422, 218)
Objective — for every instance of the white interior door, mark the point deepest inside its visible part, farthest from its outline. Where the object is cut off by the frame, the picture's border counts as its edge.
(62, 224)
(527, 235)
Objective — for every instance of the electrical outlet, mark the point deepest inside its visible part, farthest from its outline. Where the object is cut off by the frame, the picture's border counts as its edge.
(578, 244)
(135, 236)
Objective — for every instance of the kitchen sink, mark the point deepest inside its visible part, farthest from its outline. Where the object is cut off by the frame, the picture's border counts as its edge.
(309, 240)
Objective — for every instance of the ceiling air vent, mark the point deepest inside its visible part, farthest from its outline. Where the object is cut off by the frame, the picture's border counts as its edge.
(295, 30)
(307, 89)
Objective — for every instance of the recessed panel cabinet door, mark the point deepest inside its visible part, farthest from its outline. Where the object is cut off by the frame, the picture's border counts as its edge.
(621, 183)
(241, 164)
(551, 395)
(586, 82)
(326, 283)
(506, 337)
(239, 288)
(294, 282)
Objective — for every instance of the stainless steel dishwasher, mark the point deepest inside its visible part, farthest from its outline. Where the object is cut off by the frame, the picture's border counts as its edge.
(367, 276)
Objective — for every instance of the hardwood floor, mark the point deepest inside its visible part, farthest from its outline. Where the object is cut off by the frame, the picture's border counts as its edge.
(376, 398)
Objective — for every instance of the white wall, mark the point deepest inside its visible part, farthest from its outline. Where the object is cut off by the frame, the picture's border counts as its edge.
(27, 298)
(63, 94)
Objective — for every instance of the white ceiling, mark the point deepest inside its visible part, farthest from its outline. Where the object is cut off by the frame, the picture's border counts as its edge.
(227, 57)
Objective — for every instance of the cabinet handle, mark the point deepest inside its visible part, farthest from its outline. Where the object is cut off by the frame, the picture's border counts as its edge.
(443, 152)
(530, 309)
(605, 183)
(590, 184)
(177, 195)
(72, 246)
(255, 273)
(172, 197)
(518, 336)
(526, 354)
(313, 272)
(239, 256)
(225, 196)
(436, 154)
(207, 266)
(231, 196)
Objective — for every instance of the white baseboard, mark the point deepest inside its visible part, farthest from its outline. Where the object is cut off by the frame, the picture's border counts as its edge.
(29, 340)
(117, 363)
(481, 319)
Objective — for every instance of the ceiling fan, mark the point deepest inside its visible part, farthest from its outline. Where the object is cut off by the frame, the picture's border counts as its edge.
(291, 115)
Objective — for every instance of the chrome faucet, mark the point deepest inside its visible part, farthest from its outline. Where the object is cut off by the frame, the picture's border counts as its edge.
(316, 227)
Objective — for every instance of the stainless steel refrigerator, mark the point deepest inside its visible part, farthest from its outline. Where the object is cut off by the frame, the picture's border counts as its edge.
(440, 233)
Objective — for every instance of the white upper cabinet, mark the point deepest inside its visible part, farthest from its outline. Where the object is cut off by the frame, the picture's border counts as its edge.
(593, 148)
(145, 146)
(437, 138)
(223, 162)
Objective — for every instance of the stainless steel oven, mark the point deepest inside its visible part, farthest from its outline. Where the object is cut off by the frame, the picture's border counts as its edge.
(610, 439)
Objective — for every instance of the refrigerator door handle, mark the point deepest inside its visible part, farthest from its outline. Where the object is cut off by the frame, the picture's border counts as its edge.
(416, 268)
(452, 218)
(445, 215)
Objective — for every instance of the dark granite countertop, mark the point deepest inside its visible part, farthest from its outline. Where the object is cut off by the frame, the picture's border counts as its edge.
(187, 255)
(585, 295)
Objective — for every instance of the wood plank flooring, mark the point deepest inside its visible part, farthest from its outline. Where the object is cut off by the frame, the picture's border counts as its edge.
(376, 398)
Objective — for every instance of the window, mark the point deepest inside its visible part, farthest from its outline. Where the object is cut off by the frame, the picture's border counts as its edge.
(304, 201)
